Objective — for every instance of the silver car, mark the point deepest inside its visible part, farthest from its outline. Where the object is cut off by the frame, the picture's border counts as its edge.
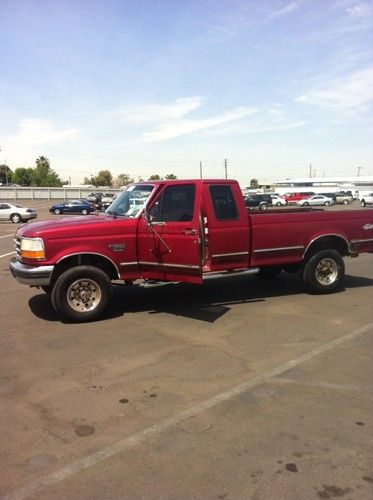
(15, 213)
(316, 199)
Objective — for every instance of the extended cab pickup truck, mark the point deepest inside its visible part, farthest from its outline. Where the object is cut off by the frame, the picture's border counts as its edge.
(183, 231)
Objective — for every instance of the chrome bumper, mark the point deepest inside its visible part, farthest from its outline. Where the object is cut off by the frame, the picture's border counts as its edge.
(30, 275)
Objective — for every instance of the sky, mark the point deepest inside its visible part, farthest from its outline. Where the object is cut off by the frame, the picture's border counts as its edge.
(157, 86)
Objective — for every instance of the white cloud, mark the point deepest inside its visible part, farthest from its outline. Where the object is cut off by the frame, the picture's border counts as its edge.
(37, 132)
(176, 128)
(355, 93)
(150, 113)
(286, 9)
(360, 10)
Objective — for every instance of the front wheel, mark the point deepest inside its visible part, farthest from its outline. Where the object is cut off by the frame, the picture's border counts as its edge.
(363, 203)
(324, 271)
(345, 202)
(327, 203)
(57, 211)
(15, 218)
(84, 211)
(81, 293)
(278, 204)
(263, 206)
(306, 204)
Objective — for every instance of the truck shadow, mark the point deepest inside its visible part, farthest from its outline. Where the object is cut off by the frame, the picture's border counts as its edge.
(203, 303)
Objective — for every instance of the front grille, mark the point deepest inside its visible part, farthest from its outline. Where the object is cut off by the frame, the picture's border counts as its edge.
(17, 246)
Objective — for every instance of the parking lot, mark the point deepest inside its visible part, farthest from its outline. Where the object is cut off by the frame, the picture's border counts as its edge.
(242, 388)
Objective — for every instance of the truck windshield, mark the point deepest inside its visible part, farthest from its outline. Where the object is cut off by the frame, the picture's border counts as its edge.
(131, 200)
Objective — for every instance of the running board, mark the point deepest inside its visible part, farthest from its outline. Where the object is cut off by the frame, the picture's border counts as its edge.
(230, 274)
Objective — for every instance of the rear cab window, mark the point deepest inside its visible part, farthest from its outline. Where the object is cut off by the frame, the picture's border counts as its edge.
(223, 202)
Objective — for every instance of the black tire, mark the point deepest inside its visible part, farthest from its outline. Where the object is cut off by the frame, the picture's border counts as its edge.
(16, 218)
(306, 204)
(57, 211)
(345, 202)
(84, 211)
(269, 272)
(278, 204)
(263, 206)
(363, 203)
(81, 293)
(324, 272)
(327, 203)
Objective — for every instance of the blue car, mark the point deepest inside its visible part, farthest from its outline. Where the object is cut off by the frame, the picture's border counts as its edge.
(73, 207)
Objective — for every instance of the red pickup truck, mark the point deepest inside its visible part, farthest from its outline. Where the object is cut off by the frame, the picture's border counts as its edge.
(184, 231)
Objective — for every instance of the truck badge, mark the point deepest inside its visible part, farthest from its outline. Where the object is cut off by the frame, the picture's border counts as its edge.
(117, 247)
(368, 226)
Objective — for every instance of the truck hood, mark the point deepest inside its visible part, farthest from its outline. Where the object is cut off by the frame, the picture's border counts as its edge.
(89, 225)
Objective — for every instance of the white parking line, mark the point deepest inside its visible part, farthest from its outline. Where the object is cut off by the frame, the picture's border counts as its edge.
(141, 436)
(6, 254)
(8, 235)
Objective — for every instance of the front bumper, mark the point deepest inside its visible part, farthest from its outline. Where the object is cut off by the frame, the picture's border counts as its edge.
(30, 275)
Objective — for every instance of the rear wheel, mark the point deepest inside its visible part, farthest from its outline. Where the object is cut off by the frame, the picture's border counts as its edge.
(278, 204)
(345, 202)
(363, 203)
(306, 204)
(327, 203)
(263, 206)
(57, 211)
(15, 218)
(81, 293)
(324, 271)
(84, 211)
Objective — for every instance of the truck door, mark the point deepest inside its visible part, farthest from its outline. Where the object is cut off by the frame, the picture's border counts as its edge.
(169, 242)
(226, 235)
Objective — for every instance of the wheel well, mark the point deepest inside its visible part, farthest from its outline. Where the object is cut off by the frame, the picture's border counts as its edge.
(328, 243)
(85, 259)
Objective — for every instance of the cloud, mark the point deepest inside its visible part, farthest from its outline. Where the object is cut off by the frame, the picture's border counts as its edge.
(360, 10)
(286, 9)
(355, 93)
(38, 132)
(153, 113)
(176, 128)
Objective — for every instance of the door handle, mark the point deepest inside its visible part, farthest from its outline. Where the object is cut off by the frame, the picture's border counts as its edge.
(190, 231)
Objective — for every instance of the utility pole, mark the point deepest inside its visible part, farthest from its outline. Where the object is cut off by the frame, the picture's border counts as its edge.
(358, 171)
(226, 168)
(310, 170)
(200, 170)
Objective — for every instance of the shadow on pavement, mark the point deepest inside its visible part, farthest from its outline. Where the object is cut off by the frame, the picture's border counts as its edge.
(203, 303)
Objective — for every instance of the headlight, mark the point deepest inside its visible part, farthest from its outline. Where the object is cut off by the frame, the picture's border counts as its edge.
(32, 248)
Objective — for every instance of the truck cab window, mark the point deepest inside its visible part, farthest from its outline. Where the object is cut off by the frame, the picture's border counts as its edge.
(175, 204)
(223, 202)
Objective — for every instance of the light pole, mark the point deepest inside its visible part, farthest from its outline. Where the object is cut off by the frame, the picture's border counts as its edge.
(358, 171)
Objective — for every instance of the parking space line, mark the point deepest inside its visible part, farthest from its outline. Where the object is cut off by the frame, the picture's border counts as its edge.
(6, 254)
(7, 235)
(141, 436)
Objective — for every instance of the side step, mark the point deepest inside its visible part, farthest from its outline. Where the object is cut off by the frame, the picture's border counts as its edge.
(230, 274)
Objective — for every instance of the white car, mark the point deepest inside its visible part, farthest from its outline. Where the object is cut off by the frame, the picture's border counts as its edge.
(316, 199)
(367, 199)
(278, 201)
(15, 213)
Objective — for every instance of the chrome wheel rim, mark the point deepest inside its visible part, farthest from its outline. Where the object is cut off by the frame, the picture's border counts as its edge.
(84, 295)
(326, 271)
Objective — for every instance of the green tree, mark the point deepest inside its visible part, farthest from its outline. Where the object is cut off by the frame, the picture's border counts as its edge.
(23, 176)
(154, 177)
(123, 180)
(103, 178)
(254, 184)
(43, 175)
(5, 174)
(170, 177)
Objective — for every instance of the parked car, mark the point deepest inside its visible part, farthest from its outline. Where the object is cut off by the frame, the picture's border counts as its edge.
(261, 201)
(317, 199)
(95, 198)
(73, 207)
(367, 199)
(16, 213)
(343, 198)
(278, 201)
(295, 197)
(106, 200)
